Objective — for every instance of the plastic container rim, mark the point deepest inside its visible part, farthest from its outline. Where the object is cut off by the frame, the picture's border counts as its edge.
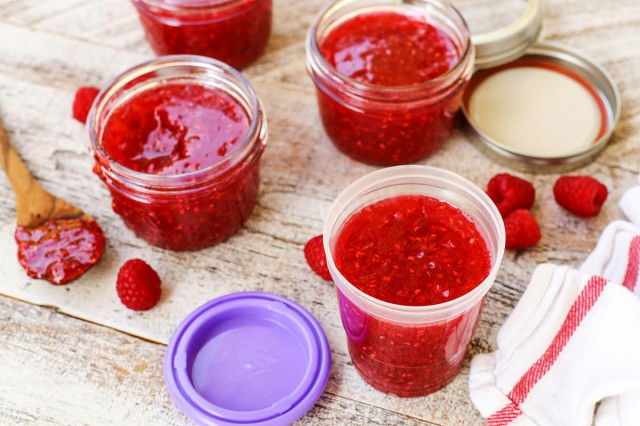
(403, 313)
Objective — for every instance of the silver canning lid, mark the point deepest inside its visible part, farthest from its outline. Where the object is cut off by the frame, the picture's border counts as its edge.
(510, 42)
(575, 62)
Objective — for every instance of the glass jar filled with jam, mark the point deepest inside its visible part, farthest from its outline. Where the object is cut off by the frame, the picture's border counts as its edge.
(233, 31)
(178, 140)
(389, 76)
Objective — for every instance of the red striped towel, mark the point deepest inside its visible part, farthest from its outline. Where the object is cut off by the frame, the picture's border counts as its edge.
(572, 340)
(617, 258)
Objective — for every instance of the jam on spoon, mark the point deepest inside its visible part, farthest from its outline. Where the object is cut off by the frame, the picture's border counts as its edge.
(57, 241)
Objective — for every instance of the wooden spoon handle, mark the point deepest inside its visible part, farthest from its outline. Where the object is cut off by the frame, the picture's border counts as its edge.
(34, 205)
(21, 180)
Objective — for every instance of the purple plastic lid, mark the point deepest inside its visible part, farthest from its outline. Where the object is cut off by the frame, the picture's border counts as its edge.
(247, 358)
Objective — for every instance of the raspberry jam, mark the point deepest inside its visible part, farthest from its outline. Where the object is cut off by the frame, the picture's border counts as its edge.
(404, 360)
(175, 129)
(59, 250)
(415, 251)
(389, 82)
(412, 250)
(180, 154)
(233, 31)
(389, 49)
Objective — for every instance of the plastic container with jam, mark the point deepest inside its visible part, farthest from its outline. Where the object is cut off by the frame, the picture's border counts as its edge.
(177, 140)
(233, 31)
(411, 308)
(389, 76)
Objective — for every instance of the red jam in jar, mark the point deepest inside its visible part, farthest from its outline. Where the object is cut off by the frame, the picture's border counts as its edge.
(175, 129)
(389, 49)
(179, 148)
(412, 269)
(389, 82)
(233, 31)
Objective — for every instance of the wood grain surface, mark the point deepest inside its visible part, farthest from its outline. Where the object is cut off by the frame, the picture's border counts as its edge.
(34, 205)
(75, 355)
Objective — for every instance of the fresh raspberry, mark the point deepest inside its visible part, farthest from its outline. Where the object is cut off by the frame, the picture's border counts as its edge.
(581, 195)
(522, 229)
(138, 285)
(83, 101)
(314, 253)
(510, 193)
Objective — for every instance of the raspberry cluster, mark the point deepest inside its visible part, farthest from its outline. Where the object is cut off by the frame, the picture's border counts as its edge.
(514, 197)
(581, 195)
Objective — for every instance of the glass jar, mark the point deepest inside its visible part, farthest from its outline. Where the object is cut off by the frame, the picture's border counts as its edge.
(192, 210)
(233, 31)
(389, 125)
(411, 350)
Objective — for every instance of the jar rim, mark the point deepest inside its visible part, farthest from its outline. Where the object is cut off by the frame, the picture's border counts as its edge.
(192, 5)
(407, 313)
(243, 150)
(317, 60)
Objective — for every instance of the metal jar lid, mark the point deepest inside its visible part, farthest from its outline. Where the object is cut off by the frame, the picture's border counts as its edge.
(511, 42)
(517, 42)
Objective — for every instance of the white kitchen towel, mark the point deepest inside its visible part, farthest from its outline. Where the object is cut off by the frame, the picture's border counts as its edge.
(630, 205)
(617, 258)
(571, 341)
(621, 410)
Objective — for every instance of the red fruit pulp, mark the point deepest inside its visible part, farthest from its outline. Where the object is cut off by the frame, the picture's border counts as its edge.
(233, 31)
(388, 49)
(175, 130)
(59, 250)
(410, 250)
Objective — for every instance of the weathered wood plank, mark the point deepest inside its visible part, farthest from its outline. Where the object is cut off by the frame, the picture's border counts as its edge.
(57, 370)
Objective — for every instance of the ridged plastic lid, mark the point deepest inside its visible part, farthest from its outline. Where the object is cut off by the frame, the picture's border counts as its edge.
(247, 358)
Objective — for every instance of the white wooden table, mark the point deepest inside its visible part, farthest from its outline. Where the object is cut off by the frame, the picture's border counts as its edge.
(75, 355)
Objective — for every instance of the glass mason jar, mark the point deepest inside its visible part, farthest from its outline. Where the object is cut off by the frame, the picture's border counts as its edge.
(196, 209)
(233, 31)
(389, 125)
(411, 350)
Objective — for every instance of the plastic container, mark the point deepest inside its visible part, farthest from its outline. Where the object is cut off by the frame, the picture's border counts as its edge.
(182, 211)
(233, 31)
(411, 350)
(389, 125)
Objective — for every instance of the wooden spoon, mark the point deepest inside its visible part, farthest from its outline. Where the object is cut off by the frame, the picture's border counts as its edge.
(56, 241)
(34, 205)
